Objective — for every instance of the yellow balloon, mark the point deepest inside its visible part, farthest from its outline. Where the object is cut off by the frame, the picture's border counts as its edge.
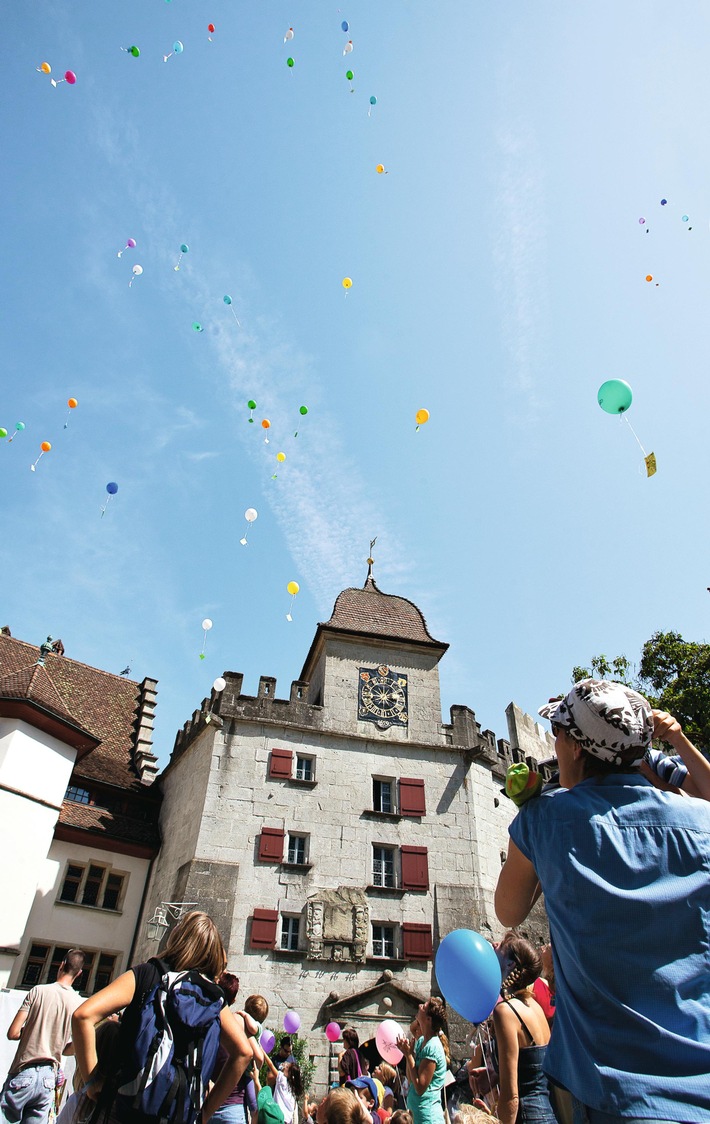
(281, 457)
(293, 588)
(347, 283)
(380, 169)
(46, 68)
(422, 417)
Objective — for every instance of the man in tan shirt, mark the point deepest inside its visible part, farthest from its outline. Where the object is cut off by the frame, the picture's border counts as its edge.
(43, 1028)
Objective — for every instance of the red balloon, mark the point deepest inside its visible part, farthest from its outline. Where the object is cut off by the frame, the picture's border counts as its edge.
(70, 77)
(210, 27)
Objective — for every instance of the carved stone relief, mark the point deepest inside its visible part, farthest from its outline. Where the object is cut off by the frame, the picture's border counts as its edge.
(337, 925)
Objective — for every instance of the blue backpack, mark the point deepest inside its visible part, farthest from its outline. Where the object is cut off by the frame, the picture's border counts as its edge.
(171, 1054)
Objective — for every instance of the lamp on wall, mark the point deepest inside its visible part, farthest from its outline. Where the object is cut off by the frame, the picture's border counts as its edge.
(155, 929)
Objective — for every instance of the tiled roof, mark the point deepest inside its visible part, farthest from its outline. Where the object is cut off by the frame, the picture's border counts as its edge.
(89, 817)
(374, 613)
(104, 704)
(35, 683)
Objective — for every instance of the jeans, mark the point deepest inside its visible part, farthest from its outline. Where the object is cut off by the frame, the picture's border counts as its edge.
(583, 1115)
(230, 1114)
(28, 1095)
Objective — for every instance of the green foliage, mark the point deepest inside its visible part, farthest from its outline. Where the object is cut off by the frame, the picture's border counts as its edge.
(299, 1049)
(674, 675)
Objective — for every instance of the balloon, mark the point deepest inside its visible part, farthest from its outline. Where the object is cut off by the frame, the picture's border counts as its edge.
(373, 100)
(663, 202)
(614, 396)
(332, 1032)
(386, 1041)
(131, 243)
(685, 218)
(289, 35)
(184, 249)
(266, 424)
(227, 299)
(251, 404)
(137, 270)
(112, 488)
(135, 51)
(303, 410)
(281, 457)
(349, 75)
(642, 221)
(70, 77)
(289, 61)
(348, 47)
(292, 1021)
(178, 47)
(267, 1041)
(45, 446)
(207, 624)
(649, 277)
(210, 28)
(19, 426)
(3, 432)
(380, 169)
(293, 588)
(347, 283)
(468, 973)
(197, 327)
(72, 403)
(346, 27)
(219, 684)
(45, 68)
(421, 417)
(251, 514)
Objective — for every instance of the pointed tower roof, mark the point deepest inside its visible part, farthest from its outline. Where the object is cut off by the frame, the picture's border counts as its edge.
(30, 693)
(370, 613)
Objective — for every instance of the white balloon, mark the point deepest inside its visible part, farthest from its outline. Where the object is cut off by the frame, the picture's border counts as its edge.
(348, 47)
(251, 514)
(137, 269)
(207, 624)
(219, 684)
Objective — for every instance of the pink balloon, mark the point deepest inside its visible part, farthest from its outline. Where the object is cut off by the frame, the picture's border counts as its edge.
(131, 243)
(386, 1040)
(332, 1032)
(70, 77)
(292, 1021)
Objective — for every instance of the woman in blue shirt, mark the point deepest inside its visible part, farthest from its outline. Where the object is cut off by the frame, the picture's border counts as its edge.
(427, 1061)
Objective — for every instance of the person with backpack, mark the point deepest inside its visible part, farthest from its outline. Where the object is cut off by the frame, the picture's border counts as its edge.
(174, 1021)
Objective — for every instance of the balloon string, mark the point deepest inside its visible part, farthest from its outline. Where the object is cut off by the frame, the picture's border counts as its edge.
(235, 316)
(635, 435)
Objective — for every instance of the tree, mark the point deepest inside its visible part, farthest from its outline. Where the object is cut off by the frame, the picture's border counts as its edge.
(299, 1049)
(673, 674)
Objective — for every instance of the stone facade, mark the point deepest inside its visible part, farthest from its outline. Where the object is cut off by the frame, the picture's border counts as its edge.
(331, 900)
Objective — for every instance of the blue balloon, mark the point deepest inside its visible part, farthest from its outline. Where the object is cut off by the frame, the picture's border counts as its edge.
(112, 488)
(373, 100)
(345, 25)
(468, 973)
(227, 300)
(178, 47)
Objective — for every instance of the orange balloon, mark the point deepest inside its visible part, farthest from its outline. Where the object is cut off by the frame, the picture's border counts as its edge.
(266, 424)
(72, 403)
(45, 446)
(649, 277)
(46, 68)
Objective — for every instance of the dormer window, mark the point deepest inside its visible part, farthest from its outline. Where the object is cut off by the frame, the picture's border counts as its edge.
(78, 795)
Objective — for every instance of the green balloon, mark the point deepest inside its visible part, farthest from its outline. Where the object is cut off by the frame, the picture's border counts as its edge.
(615, 396)
(135, 51)
(184, 249)
(289, 62)
(349, 75)
(3, 432)
(197, 327)
(303, 410)
(251, 404)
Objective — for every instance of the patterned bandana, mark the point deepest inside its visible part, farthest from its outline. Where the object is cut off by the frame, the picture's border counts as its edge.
(609, 720)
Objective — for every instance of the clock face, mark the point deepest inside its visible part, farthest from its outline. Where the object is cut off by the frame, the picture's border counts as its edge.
(382, 697)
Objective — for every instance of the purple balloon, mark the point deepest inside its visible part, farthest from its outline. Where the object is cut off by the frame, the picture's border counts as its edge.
(131, 243)
(267, 1041)
(292, 1021)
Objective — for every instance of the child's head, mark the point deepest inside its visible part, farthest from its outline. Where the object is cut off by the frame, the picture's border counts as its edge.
(341, 1106)
(292, 1073)
(470, 1114)
(230, 986)
(257, 1007)
(401, 1116)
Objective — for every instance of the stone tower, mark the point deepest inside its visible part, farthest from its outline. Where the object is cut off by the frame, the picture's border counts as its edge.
(336, 835)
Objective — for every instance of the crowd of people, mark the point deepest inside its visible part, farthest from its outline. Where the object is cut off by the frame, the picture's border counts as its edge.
(608, 1024)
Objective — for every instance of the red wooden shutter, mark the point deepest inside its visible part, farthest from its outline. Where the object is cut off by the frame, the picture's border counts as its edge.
(280, 764)
(271, 845)
(415, 868)
(411, 797)
(263, 928)
(416, 942)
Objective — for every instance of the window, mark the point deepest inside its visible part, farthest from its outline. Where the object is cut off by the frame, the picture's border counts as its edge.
(289, 933)
(297, 849)
(92, 885)
(383, 941)
(382, 795)
(78, 795)
(271, 845)
(304, 768)
(383, 866)
(44, 961)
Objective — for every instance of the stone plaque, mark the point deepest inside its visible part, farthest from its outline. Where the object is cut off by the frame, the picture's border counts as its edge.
(337, 925)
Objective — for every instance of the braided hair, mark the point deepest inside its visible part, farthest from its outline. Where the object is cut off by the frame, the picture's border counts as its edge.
(527, 964)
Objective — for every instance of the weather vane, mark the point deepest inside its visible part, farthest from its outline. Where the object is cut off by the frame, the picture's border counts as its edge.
(371, 560)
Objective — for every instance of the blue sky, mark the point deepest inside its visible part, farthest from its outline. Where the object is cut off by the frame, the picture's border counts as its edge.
(498, 279)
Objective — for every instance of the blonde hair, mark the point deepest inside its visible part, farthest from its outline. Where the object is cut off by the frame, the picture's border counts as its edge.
(195, 944)
(343, 1106)
(389, 1073)
(470, 1114)
(257, 1007)
(401, 1116)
